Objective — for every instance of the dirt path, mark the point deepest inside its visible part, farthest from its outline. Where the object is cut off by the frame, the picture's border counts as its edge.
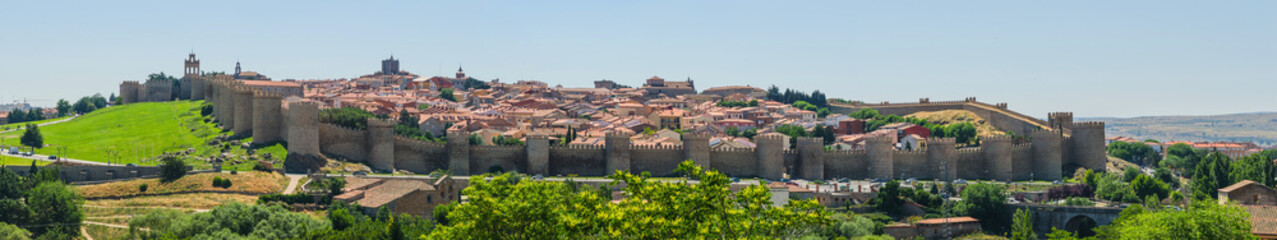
(292, 183)
(173, 208)
(85, 232)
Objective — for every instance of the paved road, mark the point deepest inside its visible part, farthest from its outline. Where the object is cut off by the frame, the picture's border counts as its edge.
(292, 183)
(42, 124)
(46, 159)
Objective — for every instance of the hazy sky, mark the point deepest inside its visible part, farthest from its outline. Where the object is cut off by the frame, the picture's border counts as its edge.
(1094, 58)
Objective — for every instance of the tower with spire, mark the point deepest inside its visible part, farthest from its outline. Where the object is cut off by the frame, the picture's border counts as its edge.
(390, 66)
(461, 74)
(237, 69)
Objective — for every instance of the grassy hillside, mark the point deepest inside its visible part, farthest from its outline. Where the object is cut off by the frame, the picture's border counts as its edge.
(138, 132)
(1260, 128)
(956, 116)
(15, 126)
(14, 161)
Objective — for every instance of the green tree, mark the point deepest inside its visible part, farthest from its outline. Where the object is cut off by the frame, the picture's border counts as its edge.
(11, 232)
(888, 198)
(503, 207)
(446, 93)
(84, 106)
(64, 107)
(171, 169)
(55, 208)
(233, 220)
(1145, 186)
(31, 137)
(1255, 167)
(985, 202)
(733, 131)
(1022, 229)
(1202, 220)
(1130, 173)
(1212, 173)
(1163, 174)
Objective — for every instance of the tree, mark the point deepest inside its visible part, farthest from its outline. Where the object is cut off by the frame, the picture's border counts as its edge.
(1163, 174)
(55, 208)
(985, 202)
(733, 131)
(1130, 173)
(233, 220)
(888, 198)
(64, 107)
(32, 137)
(11, 232)
(1022, 229)
(502, 207)
(1145, 186)
(171, 169)
(84, 106)
(1212, 173)
(1202, 220)
(1254, 167)
(446, 93)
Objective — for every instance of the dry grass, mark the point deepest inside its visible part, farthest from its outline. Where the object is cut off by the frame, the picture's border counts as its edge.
(99, 232)
(252, 182)
(1117, 164)
(956, 116)
(186, 201)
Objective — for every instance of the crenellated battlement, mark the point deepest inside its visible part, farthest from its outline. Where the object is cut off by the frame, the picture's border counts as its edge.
(618, 134)
(879, 140)
(414, 141)
(937, 141)
(1021, 146)
(971, 150)
(845, 152)
(695, 136)
(130, 83)
(995, 138)
(537, 137)
(578, 147)
(770, 136)
(380, 123)
(731, 150)
(646, 147)
(496, 148)
(264, 94)
(1068, 115)
(1099, 125)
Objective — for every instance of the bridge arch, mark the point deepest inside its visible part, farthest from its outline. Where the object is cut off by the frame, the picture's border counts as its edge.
(1081, 225)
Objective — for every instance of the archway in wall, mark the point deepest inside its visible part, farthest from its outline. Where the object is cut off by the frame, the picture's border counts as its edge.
(1081, 226)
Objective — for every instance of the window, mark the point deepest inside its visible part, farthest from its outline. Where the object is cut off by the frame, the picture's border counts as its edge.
(430, 199)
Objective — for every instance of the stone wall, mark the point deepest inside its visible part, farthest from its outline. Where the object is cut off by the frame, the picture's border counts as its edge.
(419, 156)
(737, 162)
(658, 160)
(508, 158)
(267, 118)
(337, 141)
(129, 92)
(159, 90)
(74, 174)
(584, 160)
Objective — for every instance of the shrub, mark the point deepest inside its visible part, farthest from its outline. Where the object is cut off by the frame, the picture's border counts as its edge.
(172, 169)
(234, 172)
(1077, 201)
(217, 181)
(226, 183)
(262, 166)
(295, 198)
(142, 188)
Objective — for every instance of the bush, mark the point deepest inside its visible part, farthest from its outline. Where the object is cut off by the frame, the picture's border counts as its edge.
(234, 172)
(296, 198)
(142, 188)
(221, 182)
(1077, 201)
(206, 109)
(262, 166)
(172, 169)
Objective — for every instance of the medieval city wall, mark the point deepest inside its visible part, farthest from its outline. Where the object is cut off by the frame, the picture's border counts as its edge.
(584, 160)
(739, 162)
(660, 160)
(996, 115)
(419, 156)
(265, 118)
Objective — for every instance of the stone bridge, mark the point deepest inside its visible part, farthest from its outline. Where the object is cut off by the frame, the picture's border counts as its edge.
(1076, 219)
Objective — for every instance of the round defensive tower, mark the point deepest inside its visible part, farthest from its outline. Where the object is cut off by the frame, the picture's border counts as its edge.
(997, 156)
(1088, 145)
(243, 112)
(458, 152)
(942, 158)
(381, 144)
(1048, 161)
(696, 148)
(770, 150)
(881, 157)
(616, 147)
(810, 159)
(266, 117)
(303, 128)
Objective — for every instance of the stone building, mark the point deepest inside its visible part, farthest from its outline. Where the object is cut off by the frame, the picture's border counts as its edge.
(411, 196)
(1248, 192)
(934, 228)
(656, 86)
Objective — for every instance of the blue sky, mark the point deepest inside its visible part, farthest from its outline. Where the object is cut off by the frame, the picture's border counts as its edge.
(1094, 58)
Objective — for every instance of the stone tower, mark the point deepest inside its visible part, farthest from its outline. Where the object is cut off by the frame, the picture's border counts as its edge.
(1047, 164)
(811, 161)
(616, 147)
(538, 149)
(942, 158)
(303, 131)
(390, 66)
(192, 68)
(997, 156)
(461, 74)
(267, 117)
(129, 92)
(243, 111)
(1060, 120)
(770, 149)
(881, 157)
(696, 148)
(197, 84)
(458, 152)
(381, 144)
(1088, 145)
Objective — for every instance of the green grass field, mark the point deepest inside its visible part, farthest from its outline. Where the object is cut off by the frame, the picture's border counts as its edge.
(13, 161)
(15, 126)
(138, 133)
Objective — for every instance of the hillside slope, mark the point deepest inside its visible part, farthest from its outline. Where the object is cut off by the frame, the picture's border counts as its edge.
(1260, 128)
(956, 116)
(138, 132)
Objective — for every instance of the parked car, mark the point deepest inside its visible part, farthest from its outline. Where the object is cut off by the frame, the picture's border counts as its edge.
(28, 154)
(131, 165)
(360, 173)
(960, 181)
(52, 157)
